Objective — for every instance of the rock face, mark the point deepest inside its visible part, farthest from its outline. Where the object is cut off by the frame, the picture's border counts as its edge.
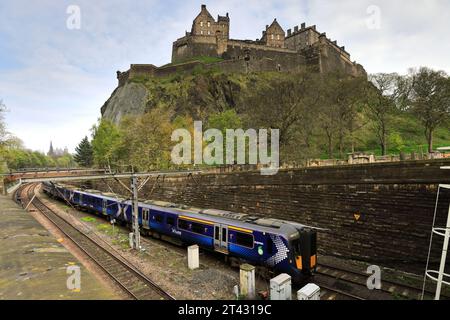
(129, 99)
(196, 95)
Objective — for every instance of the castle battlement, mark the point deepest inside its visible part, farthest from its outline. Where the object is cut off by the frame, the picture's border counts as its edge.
(276, 50)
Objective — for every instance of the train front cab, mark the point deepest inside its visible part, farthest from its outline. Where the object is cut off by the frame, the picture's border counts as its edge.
(305, 251)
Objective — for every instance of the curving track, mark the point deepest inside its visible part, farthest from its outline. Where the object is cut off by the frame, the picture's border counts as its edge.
(131, 280)
(357, 280)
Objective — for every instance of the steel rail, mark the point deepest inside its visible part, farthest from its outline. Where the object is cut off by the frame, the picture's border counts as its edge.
(398, 285)
(51, 215)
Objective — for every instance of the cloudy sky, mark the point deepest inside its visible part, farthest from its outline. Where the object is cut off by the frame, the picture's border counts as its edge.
(54, 79)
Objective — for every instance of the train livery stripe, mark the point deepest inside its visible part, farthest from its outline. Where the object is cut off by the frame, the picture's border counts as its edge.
(240, 229)
(212, 223)
(196, 220)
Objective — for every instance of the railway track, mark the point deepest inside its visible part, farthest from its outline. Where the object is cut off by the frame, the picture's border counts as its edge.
(330, 293)
(389, 289)
(132, 281)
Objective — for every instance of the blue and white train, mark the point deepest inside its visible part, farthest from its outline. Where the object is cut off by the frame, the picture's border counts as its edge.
(276, 245)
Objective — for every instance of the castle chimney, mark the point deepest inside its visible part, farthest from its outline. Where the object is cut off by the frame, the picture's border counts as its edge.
(289, 32)
(227, 15)
(296, 29)
(314, 27)
(267, 26)
(303, 25)
(335, 42)
(203, 6)
(343, 48)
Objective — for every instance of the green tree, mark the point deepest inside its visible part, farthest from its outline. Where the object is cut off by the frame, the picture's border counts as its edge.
(106, 140)
(84, 154)
(430, 96)
(66, 161)
(225, 120)
(146, 140)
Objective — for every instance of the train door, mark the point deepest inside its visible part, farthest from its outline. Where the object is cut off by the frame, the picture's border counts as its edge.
(105, 207)
(145, 217)
(221, 238)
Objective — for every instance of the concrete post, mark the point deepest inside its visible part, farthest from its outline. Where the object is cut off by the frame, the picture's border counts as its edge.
(193, 257)
(3, 187)
(247, 277)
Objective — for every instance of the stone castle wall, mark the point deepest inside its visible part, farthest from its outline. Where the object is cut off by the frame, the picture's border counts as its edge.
(257, 62)
(187, 48)
(332, 59)
(283, 60)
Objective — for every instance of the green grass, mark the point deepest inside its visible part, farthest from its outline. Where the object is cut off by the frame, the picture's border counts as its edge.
(88, 219)
(104, 228)
(406, 135)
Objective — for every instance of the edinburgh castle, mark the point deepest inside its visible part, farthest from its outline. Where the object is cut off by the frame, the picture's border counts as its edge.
(276, 50)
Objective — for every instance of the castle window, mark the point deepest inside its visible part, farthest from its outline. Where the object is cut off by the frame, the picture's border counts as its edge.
(209, 24)
(273, 37)
(209, 32)
(278, 37)
(201, 32)
(201, 24)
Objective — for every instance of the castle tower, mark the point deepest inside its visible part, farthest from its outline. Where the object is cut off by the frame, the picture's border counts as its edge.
(274, 35)
(205, 25)
(223, 27)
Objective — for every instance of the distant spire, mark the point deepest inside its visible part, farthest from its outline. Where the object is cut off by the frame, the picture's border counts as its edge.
(51, 151)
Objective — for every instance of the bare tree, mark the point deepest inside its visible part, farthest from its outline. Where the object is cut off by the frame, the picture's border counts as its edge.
(3, 132)
(430, 97)
(280, 105)
(387, 91)
(340, 107)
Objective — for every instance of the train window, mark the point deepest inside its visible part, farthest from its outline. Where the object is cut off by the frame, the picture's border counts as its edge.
(170, 221)
(197, 228)
(158, 218)
(244, 239)
(216, 233)
(145, 214)
(183, 224)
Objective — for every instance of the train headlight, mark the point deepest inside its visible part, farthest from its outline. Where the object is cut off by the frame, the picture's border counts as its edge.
(260, 250)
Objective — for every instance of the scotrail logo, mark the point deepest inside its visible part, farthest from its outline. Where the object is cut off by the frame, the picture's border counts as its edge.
(239, 147)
